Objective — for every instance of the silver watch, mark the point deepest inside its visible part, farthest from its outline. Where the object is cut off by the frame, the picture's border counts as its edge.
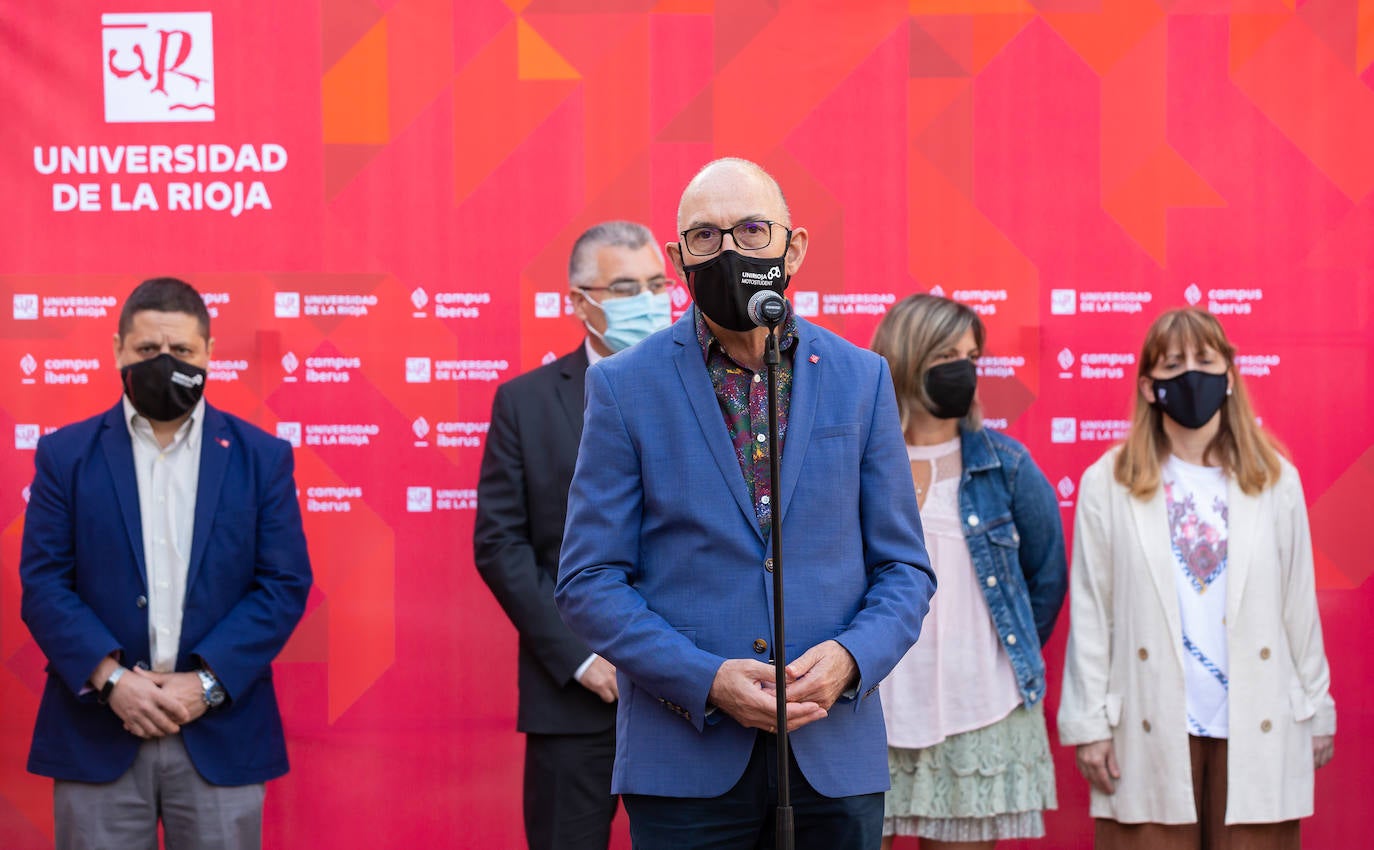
(212, 691)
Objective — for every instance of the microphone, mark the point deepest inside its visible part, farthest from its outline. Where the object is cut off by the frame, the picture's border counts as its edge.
(767, 308)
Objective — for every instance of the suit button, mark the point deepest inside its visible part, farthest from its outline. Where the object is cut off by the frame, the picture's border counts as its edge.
(1143, 653)
(760, 645)
(141, 602)
(1145, 724)
(1265, 726)
(768, 565)
(1264, 654)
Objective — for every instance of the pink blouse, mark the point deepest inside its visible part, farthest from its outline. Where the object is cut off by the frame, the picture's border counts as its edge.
(956, 678)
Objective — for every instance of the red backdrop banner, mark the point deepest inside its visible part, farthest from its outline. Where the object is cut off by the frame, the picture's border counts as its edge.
(377, 199)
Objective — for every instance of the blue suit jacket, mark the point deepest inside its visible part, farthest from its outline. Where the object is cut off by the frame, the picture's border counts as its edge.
(85, 591)
(665, 572)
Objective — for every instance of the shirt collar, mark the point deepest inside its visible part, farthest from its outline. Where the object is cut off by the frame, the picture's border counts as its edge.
(706, 338)
(593, 356)
(190, 430)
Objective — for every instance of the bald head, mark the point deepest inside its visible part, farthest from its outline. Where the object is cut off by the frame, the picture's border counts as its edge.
(733, 176)
(726, 193)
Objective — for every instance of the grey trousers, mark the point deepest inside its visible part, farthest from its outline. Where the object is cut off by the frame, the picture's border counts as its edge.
(162, 784)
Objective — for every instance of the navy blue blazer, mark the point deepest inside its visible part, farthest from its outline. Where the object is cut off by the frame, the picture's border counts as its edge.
(85, 594)
(666, 573)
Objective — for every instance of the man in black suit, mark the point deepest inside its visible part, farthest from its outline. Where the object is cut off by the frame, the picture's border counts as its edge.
(618, 289)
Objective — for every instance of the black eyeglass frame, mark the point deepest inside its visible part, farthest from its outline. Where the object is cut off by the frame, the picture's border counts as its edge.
(686, 243)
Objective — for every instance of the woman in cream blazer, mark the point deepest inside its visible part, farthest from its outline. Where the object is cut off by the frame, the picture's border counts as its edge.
(1125, 700)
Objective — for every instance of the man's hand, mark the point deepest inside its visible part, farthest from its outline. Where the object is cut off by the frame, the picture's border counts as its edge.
(147, 710)
(1323, 748)
(184, 688)
(821, 674)
(599, 678)
(1097, 763)
(743, 688)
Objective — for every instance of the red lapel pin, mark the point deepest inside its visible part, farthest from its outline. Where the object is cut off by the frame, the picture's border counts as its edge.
(815, 358)
(223, 442)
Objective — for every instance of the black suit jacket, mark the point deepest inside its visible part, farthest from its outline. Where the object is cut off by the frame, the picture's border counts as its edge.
(522, 498)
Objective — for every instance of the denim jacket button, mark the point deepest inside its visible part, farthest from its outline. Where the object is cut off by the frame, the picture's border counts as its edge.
(973, 520)
(1011, 640)
(992, 581)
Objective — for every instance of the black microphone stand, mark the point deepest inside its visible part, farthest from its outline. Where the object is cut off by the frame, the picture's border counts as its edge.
(771, 359)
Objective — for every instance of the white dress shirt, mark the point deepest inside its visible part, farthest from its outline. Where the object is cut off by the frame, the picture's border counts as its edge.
(167, 480)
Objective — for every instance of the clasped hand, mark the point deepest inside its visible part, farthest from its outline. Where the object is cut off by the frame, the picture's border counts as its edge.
(156, 704)
(745, 688)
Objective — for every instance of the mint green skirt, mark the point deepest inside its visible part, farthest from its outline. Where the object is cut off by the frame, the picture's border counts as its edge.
(987, 784)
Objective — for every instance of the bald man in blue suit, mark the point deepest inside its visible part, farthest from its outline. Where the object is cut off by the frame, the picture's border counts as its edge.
(665, 568)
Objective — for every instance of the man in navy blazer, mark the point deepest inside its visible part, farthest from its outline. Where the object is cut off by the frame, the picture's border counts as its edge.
(666, 568)
(163, 568)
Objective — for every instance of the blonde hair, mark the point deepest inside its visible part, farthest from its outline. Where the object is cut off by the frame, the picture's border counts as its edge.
(911, 335)
(1245, 451)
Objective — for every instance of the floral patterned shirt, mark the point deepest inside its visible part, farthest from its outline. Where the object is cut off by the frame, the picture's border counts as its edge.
(1196, 500)
(743, 398)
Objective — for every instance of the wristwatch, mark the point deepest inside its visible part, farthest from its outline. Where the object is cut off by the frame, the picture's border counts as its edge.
(108, 688)
(213, 692)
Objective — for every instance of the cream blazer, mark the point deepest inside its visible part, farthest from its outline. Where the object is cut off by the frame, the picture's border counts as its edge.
(1123, 673)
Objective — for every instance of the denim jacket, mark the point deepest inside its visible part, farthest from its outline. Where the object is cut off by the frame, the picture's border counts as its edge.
(1015, 539)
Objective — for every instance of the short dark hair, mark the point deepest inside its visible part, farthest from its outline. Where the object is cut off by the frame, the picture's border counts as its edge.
(165, 295)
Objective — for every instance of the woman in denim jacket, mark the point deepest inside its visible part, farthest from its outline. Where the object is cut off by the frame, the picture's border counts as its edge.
(967, 746)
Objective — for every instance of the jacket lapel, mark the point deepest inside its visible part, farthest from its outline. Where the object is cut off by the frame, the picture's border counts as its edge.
(118, 448)
(1242, 513)
(572, 390)
(216, 446)
(1152, 530)
(801, 415)
(691, 368)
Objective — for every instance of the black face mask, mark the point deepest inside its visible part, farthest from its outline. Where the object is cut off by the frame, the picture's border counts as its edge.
(723, 285)
(163, 388)
(950, 387)
(1191, 399)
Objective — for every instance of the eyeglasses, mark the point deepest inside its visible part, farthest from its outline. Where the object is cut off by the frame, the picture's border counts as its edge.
(749, 235)
(628, 288)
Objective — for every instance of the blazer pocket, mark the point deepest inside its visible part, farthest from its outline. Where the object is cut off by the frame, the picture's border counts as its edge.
(1113, 710)
(851, 428)
(1303, 709)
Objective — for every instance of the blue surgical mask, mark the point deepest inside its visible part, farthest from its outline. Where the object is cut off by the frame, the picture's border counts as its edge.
(629, 320)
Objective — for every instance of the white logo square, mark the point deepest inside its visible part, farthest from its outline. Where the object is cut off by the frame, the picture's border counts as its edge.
(25, 306)
(548, 305)
(158, 67)
(290, 432)
(1064, 429)
(1063, 302)
(417, 370)
(419, 500)
(26, 436)
(286, 305)
(807, 303)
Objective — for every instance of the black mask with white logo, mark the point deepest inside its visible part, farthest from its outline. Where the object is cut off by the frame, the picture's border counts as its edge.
(163, 388)
(723, 285)
(950, 388)
(1191, 399)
